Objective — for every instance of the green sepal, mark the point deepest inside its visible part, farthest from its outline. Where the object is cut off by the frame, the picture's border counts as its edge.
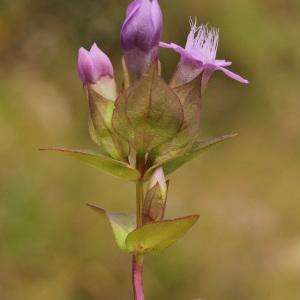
(100, 128)
(121, 224)
(155, 237)
(148, 113)
(190, 98)
(104, 163)
(172, 163)
(126, 76)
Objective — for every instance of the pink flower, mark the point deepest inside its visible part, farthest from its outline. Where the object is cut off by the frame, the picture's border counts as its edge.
(199, 55)
(93, 64)
(140, 35)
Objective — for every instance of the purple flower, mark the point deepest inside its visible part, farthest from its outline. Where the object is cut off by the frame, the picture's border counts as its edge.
(140, 35)
(199, 55)
(93, 64)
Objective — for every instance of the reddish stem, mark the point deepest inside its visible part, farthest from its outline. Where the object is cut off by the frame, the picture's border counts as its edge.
(137, 277)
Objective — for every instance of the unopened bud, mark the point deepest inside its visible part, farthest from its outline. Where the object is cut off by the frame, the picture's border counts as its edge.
(93, 65)
(159, 177)
(140, 35)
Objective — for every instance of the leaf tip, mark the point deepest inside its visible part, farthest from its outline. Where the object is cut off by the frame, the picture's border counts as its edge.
(96, 208)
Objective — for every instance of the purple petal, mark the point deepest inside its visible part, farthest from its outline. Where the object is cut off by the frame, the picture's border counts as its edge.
(157, 19)
(166, 45)
(185, 54)
(222, 63)
(210, 68)
(132, 7)
(138, 29)
(86, 70)
(140, 35)
(233, 75)
(101, 62)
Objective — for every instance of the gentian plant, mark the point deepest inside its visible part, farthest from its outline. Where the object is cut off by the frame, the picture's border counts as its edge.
(149, 128)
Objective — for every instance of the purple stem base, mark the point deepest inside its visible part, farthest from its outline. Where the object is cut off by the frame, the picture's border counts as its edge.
(137, 277)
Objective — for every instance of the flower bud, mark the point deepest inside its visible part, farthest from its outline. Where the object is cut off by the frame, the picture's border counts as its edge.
(96, 73)
(140, 35)
(159, 178)
(95, 70)
(156, 198)
(93, 65)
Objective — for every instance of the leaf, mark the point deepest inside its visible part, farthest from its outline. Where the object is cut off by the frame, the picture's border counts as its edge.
(148, 114)
(101, 111)
(101, 162)
(155, 237)
(121, 223)
(172, 163)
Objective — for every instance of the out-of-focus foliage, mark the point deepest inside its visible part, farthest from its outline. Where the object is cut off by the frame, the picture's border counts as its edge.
(246, 244)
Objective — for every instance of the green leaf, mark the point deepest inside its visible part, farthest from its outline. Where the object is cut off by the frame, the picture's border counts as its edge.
(121, 223)
(148, 114)
(172, 163)
(155, 237)
(101, 162)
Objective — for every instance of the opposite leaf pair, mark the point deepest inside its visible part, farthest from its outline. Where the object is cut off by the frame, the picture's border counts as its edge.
(125, 171)
(150, 238)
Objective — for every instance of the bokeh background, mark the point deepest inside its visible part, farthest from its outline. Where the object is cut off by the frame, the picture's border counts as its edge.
(246, 245)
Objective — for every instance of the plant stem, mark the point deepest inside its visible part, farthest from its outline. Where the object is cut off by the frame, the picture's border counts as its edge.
(137, 260)
(139, 203)
(137, 277)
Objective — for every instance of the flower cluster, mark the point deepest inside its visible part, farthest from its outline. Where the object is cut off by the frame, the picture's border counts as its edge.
(150, 128)
(150, 121)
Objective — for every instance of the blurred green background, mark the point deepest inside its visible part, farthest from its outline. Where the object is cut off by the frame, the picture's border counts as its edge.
(246, 244)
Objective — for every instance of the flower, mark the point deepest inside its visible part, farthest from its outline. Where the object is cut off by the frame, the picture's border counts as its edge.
(140, 35)
(93, 65)
(199, 55)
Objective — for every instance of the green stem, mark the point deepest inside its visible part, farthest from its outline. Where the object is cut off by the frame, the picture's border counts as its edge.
(139, 203)
(140, 165)
(137, 260)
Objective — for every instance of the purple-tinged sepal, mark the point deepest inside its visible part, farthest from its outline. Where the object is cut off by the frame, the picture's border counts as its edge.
(159, 178)
(140, 36)
(148, 114)
(199, 56)
(156, 197)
